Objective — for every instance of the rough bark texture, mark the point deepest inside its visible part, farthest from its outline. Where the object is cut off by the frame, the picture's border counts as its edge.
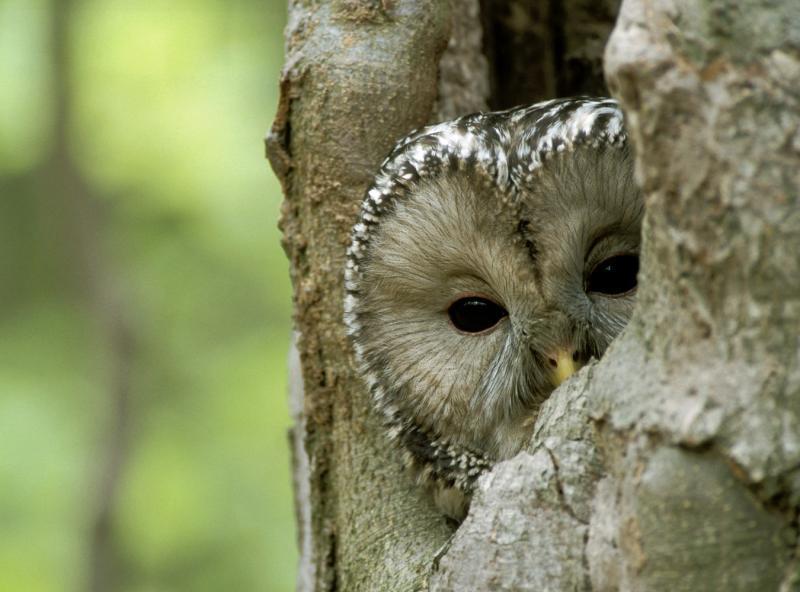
(463, 67)
(529, 521)
(540, 49)
(358, 76)
(673, 463)
(702, 441)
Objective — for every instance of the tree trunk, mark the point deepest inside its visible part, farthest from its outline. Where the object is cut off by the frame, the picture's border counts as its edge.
(673, 463)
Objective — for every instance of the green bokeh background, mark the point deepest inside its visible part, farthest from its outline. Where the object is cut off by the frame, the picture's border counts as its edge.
(134, 193)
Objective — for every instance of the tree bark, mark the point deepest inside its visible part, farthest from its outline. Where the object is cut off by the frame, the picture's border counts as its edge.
(698, 408)
(358, 76)
(674, 462)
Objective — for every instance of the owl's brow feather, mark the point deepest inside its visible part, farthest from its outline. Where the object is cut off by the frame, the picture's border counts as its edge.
(527, 233)
(604, 232)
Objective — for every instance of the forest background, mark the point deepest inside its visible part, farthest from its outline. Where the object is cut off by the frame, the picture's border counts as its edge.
(144, 298)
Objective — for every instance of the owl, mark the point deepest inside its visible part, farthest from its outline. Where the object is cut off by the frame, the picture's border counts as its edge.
(493, 256)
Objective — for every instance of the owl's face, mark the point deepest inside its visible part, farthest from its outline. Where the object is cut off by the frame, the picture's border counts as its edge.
(475, 299)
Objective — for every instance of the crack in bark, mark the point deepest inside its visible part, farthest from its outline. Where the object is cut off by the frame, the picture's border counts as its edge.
(560, 488)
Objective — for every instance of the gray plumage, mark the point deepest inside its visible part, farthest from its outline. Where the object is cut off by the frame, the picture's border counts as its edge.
(490, 251)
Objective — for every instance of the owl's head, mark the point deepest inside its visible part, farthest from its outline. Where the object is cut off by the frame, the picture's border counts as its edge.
(493, 256)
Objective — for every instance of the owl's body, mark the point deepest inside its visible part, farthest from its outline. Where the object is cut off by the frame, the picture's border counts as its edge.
(493, 255)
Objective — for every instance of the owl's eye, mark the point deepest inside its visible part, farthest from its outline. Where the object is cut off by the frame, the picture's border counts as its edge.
(614, 276)
(474, 314)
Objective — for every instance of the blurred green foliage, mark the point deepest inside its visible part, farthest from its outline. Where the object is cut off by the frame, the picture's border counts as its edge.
(163, 113)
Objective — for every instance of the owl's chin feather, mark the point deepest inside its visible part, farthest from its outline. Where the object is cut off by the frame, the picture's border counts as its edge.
(451, 502)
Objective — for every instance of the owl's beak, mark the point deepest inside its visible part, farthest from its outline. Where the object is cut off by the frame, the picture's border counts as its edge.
(563, 365)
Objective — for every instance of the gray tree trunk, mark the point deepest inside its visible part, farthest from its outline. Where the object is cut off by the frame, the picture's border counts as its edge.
(673, 463)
